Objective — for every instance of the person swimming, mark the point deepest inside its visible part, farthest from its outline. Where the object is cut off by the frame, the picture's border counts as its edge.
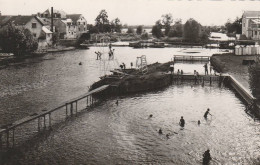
(116, 102)
(182, 122)
(160, 131)
(206, 157)
(150, 115)
(168, 135)
(198, 122)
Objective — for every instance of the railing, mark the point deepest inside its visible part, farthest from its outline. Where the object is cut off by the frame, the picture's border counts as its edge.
(51, 116)
(191, 58)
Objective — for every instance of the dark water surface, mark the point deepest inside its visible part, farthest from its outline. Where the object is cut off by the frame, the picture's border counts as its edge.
(123, 134)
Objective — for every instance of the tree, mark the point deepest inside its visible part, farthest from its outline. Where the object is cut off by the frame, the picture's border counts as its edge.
(157, 31)
(102, 21)
(144, 36)
(192, 30)
(234, 27)
(254, 77)
(17, 40)
(130, 30)
(92, 29)
(177, 29)
(116, 25)
(139, 30)
(167, 21)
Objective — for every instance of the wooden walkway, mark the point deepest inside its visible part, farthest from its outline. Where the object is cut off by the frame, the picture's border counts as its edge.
(198, 78)
(71, 107)
(183, 58)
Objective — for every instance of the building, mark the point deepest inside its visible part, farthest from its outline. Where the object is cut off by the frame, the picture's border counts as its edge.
(38, 27)
(251, 24)
(69, 26)
(56, 14)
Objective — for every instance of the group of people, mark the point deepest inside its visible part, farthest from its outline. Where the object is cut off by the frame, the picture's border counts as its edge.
(206, 155)
(179, 72)
(182, 121)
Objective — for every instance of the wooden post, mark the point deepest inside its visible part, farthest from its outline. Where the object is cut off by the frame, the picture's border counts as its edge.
(1, 141)
(13, 137)
(210, 81)
(49, 120)
(87, 101)
(76, 106)
(44, 122)
(39, 124)
(71, 108)
(7, 138)
(92, 99)
(66, 109)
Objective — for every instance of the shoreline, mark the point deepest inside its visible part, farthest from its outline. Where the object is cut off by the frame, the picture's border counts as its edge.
(11, 59)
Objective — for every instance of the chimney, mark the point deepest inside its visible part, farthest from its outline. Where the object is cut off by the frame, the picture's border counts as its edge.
(51, 19)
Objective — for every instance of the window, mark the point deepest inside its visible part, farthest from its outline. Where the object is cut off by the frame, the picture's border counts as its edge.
(84, 29)
(34, 34)
(79, 29)
(34, 25)
(84, 23)
(255, 32)
(72, 33)
(78, 23)
(46, 15)
(244, 24)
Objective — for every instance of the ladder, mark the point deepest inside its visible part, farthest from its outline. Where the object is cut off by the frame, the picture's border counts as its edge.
(141, 64)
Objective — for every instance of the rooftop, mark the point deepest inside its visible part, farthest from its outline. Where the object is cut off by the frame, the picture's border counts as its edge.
(251, 14)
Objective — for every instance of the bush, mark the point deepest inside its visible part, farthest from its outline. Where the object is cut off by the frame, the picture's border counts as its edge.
(18, 41)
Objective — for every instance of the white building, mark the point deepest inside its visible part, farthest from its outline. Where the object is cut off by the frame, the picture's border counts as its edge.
(251, 24)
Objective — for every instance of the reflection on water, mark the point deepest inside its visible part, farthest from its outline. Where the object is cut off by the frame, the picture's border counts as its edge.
(124, 134)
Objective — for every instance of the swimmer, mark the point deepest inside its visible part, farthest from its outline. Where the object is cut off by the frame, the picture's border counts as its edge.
(206, 157)
(168, 135)
(160, 131)
(198, 122)
(182, 122)
(150, 116)
(116, 102)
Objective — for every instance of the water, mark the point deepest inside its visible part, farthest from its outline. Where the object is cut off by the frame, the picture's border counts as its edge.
(42, 83)
(123, 134)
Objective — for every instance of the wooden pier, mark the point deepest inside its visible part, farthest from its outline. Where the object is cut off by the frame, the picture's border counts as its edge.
(7, 134)
(184, 58)
(198, 78)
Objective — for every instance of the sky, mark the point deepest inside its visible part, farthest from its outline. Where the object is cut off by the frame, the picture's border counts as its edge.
(138, 12)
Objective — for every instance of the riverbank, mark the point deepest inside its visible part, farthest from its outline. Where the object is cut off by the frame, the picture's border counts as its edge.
(235, 66)
(9, 58)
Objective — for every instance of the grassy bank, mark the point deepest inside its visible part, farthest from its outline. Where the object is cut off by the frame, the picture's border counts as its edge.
(233, 65)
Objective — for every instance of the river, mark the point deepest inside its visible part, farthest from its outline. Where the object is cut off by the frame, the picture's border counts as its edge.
(123, 134)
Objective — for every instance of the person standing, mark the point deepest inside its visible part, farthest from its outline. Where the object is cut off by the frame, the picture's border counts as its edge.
(182, 122)
(131, 64)
(206, 114)
(172, 68)
(206, 69)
